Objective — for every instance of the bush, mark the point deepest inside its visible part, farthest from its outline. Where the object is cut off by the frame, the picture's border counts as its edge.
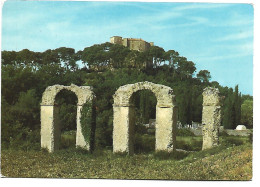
(24, 138)
(144, 143)
(184, 132)
(250, 138)
(189, 143)
(223, 133)
(232, 140)
(68, 140)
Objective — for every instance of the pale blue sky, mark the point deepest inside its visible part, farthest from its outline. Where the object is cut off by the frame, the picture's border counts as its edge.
(216, 37)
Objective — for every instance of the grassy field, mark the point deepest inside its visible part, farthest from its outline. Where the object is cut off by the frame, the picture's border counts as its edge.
(232, 160)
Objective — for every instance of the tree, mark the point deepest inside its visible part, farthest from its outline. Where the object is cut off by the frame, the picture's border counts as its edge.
(8, 57)
(67, 57)
(232, 109)
(237, 105)
(50, 57)
(131, 59)
(117, 54)
(228, 111)
(204, 76)
(247, 113)
(156, 55)
(185, 68)
(97, 56)
(171, 56)
(27, 110)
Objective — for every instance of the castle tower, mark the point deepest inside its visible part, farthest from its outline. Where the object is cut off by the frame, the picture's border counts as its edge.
(116, 40)
(132, 43)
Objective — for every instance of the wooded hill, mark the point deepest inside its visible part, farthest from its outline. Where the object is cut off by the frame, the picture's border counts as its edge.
(26, 74)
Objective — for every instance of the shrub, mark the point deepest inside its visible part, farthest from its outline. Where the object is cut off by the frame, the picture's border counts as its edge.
(184, 132)
(189, 143)
(223, 133)
(88, 123)
(68, 140)
(144, 143)
(232, 140)
(250, 138)
(24, 138)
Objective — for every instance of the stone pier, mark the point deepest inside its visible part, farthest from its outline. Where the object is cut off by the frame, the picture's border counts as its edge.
(211, 117)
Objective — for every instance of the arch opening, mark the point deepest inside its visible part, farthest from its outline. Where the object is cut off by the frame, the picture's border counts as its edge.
(66, 101)
(144, 103)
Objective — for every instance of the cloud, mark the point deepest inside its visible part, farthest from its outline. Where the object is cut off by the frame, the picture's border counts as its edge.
(196, 6)
(248, 34)
(225, 53)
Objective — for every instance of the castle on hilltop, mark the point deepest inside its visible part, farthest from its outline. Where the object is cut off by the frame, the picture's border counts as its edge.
(132, 43)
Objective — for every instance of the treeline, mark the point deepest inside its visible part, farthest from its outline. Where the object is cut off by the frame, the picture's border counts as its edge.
(26, 74)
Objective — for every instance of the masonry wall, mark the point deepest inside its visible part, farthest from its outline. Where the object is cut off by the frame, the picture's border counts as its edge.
(132, 43)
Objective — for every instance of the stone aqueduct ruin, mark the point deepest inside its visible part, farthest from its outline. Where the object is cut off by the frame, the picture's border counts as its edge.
(124, 117)
(50, 126)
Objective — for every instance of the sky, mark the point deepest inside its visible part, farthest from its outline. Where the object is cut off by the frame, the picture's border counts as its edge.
(216, 37)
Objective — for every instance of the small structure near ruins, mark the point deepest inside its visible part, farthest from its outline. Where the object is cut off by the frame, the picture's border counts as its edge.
(211, 117)
(50, 127)
(133, 43)
(241, 127)
(124, 115)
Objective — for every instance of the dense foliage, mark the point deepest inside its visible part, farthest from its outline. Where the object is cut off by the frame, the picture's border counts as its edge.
(26, 74)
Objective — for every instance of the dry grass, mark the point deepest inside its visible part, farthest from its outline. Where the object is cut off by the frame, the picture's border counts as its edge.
(222, 163)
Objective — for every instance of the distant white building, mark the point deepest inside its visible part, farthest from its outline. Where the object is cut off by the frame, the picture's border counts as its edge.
(241, 127)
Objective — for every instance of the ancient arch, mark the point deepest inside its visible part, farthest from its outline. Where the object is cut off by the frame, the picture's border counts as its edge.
(123, 123)
(50, 127)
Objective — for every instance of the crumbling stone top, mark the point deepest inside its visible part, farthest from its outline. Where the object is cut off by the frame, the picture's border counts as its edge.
(211, 96)
(83, 93)
(164, 94)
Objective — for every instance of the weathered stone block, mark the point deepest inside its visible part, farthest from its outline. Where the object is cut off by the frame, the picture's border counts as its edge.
(165, 133)
(211, 117)
(50, 133)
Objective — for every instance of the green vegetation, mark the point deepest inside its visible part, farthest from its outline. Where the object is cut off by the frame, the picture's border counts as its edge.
(106, 67)
(247, 112)
(226, 162)
(88, 121)
(26, 74)
(68, 139)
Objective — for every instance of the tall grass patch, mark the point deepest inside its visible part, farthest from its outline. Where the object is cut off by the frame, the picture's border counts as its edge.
(189, 143)
(68, 139)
